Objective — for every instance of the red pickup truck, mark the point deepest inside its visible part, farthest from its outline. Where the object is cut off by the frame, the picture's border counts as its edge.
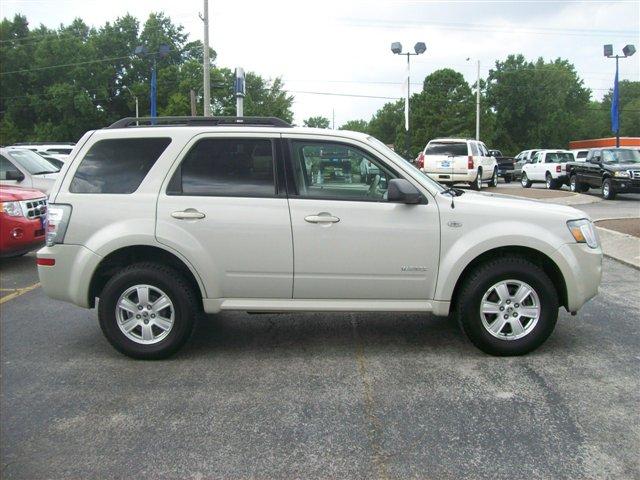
(23, 220)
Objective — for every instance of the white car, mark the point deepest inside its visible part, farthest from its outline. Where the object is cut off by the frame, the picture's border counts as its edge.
(58, 149)
(580, 154)
(25, 168)
(160, 222)
(458, 160)
(548, 166)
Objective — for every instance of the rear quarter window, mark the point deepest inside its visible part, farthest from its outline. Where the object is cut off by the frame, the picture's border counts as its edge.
(117, 165)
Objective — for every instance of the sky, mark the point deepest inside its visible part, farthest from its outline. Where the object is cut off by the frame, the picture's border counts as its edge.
(342, 47)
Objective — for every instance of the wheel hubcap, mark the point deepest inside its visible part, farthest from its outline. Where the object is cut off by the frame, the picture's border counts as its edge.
(145, 314)
(510, 309)
(605, 190)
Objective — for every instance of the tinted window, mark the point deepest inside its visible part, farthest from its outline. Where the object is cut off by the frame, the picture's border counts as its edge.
(447, 148)
(231, 167)
(558, 157)
(118, 165)
(6, 166)
(338, 172)
(582, 154)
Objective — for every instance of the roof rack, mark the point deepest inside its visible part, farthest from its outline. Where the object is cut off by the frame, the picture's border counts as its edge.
(199, 121)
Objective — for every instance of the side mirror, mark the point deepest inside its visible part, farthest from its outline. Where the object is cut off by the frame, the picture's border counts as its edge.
(14, 175)
(403, 191)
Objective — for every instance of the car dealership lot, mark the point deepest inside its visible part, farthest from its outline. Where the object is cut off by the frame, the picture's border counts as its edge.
(319, 396)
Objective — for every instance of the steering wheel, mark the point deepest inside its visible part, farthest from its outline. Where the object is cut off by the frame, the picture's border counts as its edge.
(373, 189)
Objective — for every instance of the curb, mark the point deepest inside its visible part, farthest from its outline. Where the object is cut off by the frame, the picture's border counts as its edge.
(620, 235)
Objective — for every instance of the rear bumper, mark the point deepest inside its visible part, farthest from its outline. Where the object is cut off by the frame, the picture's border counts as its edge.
(448, 177)
(581, 267)
(69, 279)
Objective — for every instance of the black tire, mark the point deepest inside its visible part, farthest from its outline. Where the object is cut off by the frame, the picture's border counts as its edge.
(608, 193)
(494, 178)
(550, 182)
(576, 186)
(467, 309)
(477, 183)
(524, 180)
(173, 285)
(507, 179)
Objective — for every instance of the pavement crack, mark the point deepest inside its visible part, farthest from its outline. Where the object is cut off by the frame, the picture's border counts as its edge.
(373, 423)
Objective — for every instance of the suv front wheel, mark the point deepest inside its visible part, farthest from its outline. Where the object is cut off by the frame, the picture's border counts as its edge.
(147, 311)
(507, 306)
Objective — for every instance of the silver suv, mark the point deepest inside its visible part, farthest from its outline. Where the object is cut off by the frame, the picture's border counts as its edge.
(161, 222)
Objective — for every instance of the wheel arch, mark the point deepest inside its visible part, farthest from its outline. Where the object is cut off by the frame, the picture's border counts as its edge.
(118, 258)
(538, 257)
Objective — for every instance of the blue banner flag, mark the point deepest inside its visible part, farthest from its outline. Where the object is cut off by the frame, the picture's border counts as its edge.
(615, 126)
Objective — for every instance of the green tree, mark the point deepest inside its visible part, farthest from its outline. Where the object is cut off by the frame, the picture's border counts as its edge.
(356, 126)
(317, 122)
(387, 122)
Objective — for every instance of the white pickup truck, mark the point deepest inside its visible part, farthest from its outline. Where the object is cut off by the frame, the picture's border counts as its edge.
(163, 221)
(548, 166)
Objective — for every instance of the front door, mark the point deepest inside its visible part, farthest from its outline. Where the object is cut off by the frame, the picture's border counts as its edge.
(349, 242)
(222, 208)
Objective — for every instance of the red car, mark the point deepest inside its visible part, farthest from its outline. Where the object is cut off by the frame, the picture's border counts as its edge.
(23, 220)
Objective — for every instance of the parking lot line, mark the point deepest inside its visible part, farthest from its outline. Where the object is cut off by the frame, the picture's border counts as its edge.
(19, 291)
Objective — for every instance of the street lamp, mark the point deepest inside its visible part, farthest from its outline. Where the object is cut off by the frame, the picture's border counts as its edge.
(477, 101)
(628, 50)
(163, 51)
(419, 48)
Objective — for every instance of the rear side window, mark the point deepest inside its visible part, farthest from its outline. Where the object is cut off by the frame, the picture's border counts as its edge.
(118, 165)
(447, 148)
(474, 149)
(582, 154)
(230, 167)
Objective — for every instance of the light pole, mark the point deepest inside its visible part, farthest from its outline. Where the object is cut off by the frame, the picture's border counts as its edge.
(477, 101)
(135, 97)
(206, 65)
(419, 48)
(163, 51)
(628, 50)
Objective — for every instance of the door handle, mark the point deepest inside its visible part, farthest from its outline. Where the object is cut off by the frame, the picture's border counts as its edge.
(322, 217)
(188, 214)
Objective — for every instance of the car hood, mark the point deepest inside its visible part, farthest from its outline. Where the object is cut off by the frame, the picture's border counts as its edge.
(621, 166)
(13, 194)
(496, 205)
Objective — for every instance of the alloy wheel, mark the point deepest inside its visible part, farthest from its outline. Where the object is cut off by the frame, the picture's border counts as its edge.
(510, 309)
(145, 314)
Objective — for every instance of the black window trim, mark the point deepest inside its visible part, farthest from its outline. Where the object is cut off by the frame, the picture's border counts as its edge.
(290, 175)
(280, 190)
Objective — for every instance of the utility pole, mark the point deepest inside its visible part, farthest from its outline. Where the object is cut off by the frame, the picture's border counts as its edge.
(192, 96)
(478, 104)
(205, 64)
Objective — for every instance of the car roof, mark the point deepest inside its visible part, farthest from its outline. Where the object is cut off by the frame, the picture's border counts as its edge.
(453, 140)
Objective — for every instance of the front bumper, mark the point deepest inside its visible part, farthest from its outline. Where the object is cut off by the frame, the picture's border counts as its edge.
(626, 185)
(29, 235)
(581, 267)
(69, 279)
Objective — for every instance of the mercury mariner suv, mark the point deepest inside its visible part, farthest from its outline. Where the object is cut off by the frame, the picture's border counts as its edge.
(157, 222)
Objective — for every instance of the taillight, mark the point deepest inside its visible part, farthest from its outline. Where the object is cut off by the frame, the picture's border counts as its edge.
(558, 168)
(470, 165)
(46, 262)
(59, 216)
(420, 160)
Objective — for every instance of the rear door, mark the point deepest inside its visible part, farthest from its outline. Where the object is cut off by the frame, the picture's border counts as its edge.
(349, 242)
(224, 206)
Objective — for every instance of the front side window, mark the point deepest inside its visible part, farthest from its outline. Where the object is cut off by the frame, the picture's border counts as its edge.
(229, 167)
(32, 162)
(117, 165)
(336, 171)
(6, 166)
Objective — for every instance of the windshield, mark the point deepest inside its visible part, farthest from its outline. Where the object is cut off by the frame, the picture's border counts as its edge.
(621, 155)
(32, 162)
(390, 153)
(559, 157)
(447, 148)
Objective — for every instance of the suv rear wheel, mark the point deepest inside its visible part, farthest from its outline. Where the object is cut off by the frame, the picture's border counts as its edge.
(477, 183)
(507, 306)
(551, 183)
(494, 178)
(147, 311)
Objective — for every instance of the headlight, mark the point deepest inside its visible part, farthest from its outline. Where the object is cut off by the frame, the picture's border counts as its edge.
(583, 231)
(12, 209)
(621, 174)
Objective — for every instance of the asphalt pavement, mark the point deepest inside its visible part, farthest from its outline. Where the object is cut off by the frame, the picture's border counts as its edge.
(343, 396)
